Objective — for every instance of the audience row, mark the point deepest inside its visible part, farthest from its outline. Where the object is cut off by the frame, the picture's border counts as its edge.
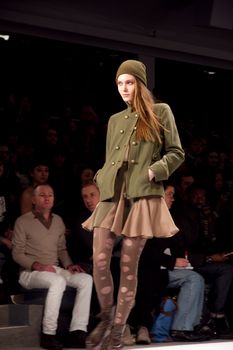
(196, 265)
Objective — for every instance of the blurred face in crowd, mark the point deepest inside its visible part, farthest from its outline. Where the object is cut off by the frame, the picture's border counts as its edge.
(1, 168)
(126, 87)
(213, 159)
(59, 160)
(4, 153)
(87, 174)
(186, 181)
(219, 181)
(90, 195)
(43, 198)
(169, 196)
(198, 197)
(40, 174)
(197, 146)
(52, 136)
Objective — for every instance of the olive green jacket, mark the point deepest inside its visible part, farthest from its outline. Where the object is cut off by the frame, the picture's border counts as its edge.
(163, 159)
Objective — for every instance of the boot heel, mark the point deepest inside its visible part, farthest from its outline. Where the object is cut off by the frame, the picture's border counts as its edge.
(102, 330)
(114, 341)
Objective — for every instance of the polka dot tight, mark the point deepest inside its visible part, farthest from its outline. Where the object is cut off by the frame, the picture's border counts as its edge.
(131, 250)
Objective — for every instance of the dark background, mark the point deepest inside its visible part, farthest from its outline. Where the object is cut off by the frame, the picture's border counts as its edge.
(55, 74)
(63, 53)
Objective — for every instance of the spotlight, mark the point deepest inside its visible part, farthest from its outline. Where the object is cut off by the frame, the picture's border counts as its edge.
(5, 37)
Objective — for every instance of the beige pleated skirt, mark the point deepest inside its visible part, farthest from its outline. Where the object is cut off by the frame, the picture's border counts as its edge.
(147, 216)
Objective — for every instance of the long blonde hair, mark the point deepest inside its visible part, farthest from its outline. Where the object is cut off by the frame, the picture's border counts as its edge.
(148, 127)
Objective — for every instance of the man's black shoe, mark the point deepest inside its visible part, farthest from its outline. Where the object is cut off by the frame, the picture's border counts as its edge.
(206, 330)
(49, 342)
(220, 327)
(226, 334)
(77, 339)
(189, 336)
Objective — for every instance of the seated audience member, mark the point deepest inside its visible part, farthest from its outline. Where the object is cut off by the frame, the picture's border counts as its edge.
(225, 221)
(49, 141)
(80, 241)
(152, 282)
(191, 286)
(183, 180)
(92, 137)
(87, 174)
(39, 247)
(10, 182)
(63, 181)
(206, 251)
(39, 173)
(8, 213)
(195, 152)
(83, 175)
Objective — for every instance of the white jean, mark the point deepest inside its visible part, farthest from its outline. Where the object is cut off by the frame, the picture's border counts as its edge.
(56, 284)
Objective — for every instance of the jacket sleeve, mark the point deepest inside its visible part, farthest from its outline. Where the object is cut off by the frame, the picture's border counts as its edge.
(172, 152)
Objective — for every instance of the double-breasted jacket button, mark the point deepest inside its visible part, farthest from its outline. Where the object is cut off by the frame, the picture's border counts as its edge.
(113, 163)
(117, 147)
(126, 116)
(122, 131)
(136, 115)
(132, 161)
(135, 128)
(134, 143)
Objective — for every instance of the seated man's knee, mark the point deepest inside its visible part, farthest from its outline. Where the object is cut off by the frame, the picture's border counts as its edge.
(87, 280)
(58, 282)
(196, 279)
(81, 280)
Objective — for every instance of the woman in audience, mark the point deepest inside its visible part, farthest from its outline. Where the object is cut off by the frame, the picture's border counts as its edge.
(39, 173)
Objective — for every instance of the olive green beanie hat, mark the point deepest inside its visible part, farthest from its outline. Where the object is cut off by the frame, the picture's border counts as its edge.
(135, 68)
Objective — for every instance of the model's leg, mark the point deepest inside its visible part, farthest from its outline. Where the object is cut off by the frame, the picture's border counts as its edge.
(130, 254)
(102, 252)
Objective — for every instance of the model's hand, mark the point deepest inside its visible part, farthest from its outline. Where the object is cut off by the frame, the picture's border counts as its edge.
(75, 268)
(181, 262)
(151, 174)
(36, 266)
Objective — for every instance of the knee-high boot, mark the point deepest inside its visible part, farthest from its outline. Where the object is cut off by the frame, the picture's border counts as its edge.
(102, 329)
(115, 338)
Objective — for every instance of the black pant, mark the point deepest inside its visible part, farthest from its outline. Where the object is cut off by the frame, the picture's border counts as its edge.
(152, 283)
(220, 277)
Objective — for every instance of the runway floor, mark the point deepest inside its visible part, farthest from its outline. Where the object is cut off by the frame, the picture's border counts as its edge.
(208, 345)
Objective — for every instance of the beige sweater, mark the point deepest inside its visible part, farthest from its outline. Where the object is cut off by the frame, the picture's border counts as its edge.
(32, 241)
